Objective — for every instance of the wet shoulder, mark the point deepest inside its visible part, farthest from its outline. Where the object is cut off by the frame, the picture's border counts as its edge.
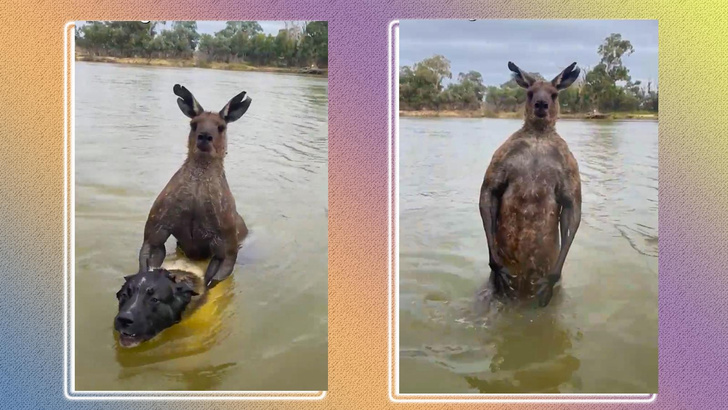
(563, 153)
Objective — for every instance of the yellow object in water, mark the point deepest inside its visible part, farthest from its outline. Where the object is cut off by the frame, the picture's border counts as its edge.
(201, 326)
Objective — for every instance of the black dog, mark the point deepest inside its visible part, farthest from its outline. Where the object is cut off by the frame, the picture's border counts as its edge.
(152, 301)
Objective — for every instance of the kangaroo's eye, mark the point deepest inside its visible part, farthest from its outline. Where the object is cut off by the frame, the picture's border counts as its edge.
(154, 300)
(530, 95)
(554, 95)
(220, 128)
(193, 125)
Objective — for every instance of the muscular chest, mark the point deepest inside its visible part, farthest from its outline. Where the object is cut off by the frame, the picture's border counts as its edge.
(196, 208)
(534, 169)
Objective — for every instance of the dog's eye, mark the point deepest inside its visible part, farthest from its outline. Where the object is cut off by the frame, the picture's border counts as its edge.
(220, 128)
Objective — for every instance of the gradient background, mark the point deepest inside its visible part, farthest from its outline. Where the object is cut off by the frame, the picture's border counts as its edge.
(693, 179)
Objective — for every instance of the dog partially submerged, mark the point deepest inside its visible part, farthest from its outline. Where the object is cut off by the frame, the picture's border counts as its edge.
(531, 191)
(152, 301)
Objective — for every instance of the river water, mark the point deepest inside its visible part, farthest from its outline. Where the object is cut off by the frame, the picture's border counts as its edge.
(598, 334)
(266, 327)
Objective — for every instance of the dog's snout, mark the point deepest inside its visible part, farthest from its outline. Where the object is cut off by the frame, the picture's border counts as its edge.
(541, 105)
(124, 320)
(203, 136)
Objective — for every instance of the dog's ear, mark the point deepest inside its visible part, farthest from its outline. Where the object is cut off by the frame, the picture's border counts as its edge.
(187, 102)
(185, 290)
(236, 107)
(566, 77)
(522, 78)
(167, 274)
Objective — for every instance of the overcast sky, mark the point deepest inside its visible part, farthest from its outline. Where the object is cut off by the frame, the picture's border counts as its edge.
(543, 46)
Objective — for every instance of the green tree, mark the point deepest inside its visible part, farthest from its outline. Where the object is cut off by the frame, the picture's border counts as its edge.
(611, 52)
(314, 47)
(251, 28)
(238, 41)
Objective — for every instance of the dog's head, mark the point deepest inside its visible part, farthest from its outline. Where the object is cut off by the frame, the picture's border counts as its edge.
(150, 302)
(208, 137)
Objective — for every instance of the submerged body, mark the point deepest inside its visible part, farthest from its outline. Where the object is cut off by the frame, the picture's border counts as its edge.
(197, 206)
(527, 232)
(530, 200)
(198, 209)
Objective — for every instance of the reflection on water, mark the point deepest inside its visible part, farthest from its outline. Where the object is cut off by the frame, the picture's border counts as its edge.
(266, 327)
(599, 333)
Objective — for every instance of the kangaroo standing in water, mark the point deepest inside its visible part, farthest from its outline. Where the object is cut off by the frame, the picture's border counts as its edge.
(197, 206)
(532, 186)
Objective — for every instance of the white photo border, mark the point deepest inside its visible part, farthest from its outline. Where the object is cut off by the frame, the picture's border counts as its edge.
(393, 266)
(69, 389)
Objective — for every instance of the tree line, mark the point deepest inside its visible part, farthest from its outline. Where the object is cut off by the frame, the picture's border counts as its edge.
(239, 41)
(607, 87)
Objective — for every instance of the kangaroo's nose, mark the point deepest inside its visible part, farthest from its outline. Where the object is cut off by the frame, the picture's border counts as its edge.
(203, 136)
(542, 104)
(124, 320)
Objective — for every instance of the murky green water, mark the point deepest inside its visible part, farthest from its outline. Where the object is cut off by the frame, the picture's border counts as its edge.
(266, 327)
(599, 333)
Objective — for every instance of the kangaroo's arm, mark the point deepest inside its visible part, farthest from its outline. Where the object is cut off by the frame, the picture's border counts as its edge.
(568, 196)
(489, 204)
(224, 252)
(491, 194)
(156, 232)
(221, 266)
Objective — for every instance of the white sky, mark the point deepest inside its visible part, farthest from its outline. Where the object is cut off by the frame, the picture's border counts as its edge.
(542, 46)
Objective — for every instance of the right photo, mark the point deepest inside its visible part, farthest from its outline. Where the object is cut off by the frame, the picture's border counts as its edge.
(527, 200)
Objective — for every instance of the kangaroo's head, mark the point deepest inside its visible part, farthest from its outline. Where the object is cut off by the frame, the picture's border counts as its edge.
(542, 105)
(208, 130)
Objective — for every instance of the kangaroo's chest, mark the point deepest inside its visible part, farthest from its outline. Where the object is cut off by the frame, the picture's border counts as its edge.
(534, 168)
(199, 208)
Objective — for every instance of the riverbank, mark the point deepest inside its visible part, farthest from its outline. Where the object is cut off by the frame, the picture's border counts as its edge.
(518, 115)
(170, 62)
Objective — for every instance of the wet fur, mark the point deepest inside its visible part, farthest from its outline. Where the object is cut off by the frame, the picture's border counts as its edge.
(197, 206)
(531, 189)
(182, 282)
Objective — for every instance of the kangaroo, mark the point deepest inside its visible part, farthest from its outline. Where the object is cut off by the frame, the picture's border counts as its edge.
(531, 188)
(196, 206)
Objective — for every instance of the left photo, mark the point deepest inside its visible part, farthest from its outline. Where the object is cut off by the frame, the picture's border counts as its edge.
(199, 206)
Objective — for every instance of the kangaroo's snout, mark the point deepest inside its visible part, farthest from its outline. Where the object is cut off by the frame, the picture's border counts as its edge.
(204, 141)
(541, 108)
(204, 137)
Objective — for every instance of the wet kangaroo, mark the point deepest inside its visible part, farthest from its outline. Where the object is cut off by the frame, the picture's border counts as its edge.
(196, 206)
(530, 200)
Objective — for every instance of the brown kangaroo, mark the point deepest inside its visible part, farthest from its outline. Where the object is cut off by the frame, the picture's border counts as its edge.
(196, 206)
(531, 187)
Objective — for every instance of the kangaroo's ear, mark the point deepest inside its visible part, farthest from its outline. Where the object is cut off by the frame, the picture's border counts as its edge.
(566, 77)
(236, 107)
(187, 102)
(522, 78)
